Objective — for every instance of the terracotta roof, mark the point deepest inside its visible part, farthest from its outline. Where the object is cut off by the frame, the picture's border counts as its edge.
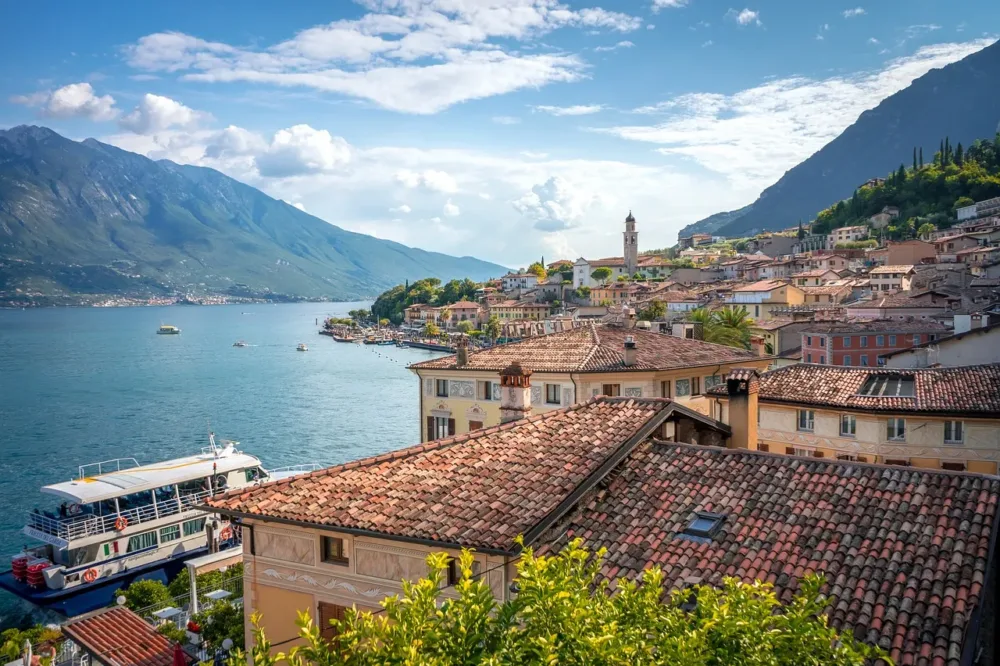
(596, 349)
(904, 550)
(900, 299)
(607, 261)
(775, 324)
(970, 390)
(891, 269)
(828, 289)
(463, 304)
(763, 285)
(878, 326)
(119, 637)
(480, 489)
(816, 272)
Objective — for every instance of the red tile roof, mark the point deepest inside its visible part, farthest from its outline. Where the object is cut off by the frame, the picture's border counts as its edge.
(119, 637)
(763, 285)
(878, 326)
(596, 349)
(904, 551)
(973, 390)
(480, 489)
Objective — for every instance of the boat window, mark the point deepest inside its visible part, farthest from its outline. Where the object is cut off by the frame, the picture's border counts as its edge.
(254, 474)
(141, 542)
(166, 494)
(134, 501)
(170, 533)
(194, 526)
(79, 556)
(193, 486)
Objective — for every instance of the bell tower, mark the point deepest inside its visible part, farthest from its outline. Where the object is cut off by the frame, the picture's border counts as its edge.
(631, 246)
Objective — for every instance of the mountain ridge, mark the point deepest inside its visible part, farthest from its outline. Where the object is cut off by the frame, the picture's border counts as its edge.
(87, 218)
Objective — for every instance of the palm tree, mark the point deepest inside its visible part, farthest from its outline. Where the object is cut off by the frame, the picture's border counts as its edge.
(729, 326)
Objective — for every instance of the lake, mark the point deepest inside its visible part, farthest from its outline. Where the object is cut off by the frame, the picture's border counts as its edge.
(81, 385)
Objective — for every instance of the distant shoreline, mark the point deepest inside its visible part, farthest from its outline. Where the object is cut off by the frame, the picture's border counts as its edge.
(107, 305)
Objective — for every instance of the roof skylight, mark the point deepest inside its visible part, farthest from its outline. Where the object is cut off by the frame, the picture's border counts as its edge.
(888, 386)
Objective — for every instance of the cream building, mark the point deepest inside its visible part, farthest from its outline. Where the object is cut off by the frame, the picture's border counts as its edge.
(462, 393)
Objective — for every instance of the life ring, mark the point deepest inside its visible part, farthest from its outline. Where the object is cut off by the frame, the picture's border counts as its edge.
(220, 482)
(226, 534)
(121, 523)
(90, 575)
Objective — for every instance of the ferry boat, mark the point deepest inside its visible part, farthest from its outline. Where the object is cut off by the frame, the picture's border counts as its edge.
(167, 329)
(120, 521)
(241, 343)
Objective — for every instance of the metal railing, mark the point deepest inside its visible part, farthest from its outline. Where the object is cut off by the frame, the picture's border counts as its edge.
(108, 466)
(86, 525)
(182, 603)
(301, 468)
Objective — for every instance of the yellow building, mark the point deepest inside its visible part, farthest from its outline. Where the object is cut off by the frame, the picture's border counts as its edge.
(461, 393)
(759, 298)
(515, 310)
(936, 418)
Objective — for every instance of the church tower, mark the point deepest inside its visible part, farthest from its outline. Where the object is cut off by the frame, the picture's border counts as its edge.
(631, 246)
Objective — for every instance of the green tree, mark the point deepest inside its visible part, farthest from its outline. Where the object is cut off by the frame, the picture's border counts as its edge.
(143, 594)
(622, 278)
(384, 322)
(921, 157)
(654, 311)
(959, 155)
(220, 621)
(491, 329)
(431, 329)
(537, 269)
(637, 275)
(962, 202)
(914, 158)
(728, 326)
(565, 614)
(466, 326)
(601, 274)
(925, 230)
(12, 640)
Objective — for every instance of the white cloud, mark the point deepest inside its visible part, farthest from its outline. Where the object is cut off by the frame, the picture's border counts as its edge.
(155, 114)
(873, 41)
(533, 155)
(300, 206)
(485, 196)
(707, 44)
(302, 150)
(431, 179)
(578, 110)
(416, 56)
(555, 204)
(668, 4)
(745, 17)
(754, 135)
(451, 210)
(76, 100)
(919, 30)
(650, 26)
(402, 208)
(620, 45)
(506, 120)
(857, 11)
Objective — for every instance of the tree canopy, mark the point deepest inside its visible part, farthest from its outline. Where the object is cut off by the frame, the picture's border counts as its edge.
(391, 303)
(727, 326)
(601, 274)
(563, 613)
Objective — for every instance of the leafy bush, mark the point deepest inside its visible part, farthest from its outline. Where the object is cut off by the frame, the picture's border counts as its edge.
(142, 594)
(221, 621)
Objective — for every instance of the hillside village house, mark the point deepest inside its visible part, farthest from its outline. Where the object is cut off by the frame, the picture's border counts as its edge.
(814, 278)
(616, 293)
(882, 219)
(761, 297)
(523, 281)
(460, 393)
(652, 483)
(522, 309)
(461, 311)
(846, 235)
(978, 256)
(862, 343)
(895, 253)
(935, 418)
(780, 334)
(830, 262)
(830, 294)
(891, 278)
(901, 305)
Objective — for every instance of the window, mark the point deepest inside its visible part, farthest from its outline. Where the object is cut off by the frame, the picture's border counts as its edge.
(864, 360)
(484, 390)
(809, 358)
(809, 341)
(864, 340)
(333, 550)
(886, 386)
(847, 341)
(696, 386)
(441, 388)
(665, 389)
(454, 570)
(879, 340)
(704, 525)
(822, 342)
(141, 542)
(683, 387)
(916, 338)
(847, 359)
(170, 533)
(611, 390)
(892, 340)
(954, 432)
(196, 526)
(850, 457)
(552, 394)
(822, 359)
(953, 466)
(895, 429)
(443, 427)
(807, 419)
(712, 380)
(328, 612)
(799, 451)
(848, 425)
(756, 311)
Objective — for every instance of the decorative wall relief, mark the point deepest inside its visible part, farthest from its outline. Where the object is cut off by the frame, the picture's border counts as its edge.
(319, 580)
(536, 395)
(567, 396)
(496, 391)
(285, 547)
(428, 386)
(461, 389)
(390, 564)
(633, 391)
(475, 413)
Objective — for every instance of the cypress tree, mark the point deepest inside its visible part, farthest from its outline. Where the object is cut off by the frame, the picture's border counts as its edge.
(914, 158)
(939, 158)
(921, 157)
(901, 175)
(959, 155)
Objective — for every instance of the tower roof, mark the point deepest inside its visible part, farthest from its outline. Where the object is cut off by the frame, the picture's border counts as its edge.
(630, 218)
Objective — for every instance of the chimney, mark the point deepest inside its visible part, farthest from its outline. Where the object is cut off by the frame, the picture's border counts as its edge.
(462, 352)
(757, 345)
(743, 385)
(629, 351)
(515, 393)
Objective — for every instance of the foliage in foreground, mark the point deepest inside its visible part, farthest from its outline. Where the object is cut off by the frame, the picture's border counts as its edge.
(730, 326)
(563, 614)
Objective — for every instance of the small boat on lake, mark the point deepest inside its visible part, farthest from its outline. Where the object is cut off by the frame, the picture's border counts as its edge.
(167, 329)
(241, 343)
(120, 521)
(302, 347)
(343, 338)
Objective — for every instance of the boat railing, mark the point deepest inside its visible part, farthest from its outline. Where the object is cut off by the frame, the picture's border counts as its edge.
(301, 468)
(78, 527)
(107, 467)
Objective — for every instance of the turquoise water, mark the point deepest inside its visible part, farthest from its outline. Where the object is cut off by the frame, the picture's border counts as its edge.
(80, 385)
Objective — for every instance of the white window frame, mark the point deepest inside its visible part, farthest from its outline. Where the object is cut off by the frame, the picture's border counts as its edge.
(949, 437)
(484, 390)
(810, 420)
(438, 383)
(558, 394)
(441, 427)
(896, 426)
(805, 453)
(847, 359)
(853, 420)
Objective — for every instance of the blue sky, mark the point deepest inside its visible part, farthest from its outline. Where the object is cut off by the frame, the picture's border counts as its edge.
(504, 129)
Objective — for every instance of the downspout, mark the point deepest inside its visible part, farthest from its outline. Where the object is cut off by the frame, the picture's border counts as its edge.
(576, 390)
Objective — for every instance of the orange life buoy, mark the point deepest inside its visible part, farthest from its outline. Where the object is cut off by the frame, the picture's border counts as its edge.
(226, 534)
(121, 523)
(90, 575)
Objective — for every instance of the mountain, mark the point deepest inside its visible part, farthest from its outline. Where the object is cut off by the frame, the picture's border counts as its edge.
(713, 223)
(89, 218)
(960, 100)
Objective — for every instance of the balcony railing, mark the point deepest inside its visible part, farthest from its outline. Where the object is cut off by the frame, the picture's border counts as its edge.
(78, 527)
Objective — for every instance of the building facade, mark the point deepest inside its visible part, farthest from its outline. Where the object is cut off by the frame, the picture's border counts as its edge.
(863, 343)
(891, 278)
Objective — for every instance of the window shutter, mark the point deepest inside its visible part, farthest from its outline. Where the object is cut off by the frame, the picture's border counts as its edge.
(430, 428)
(862, 459)
(817, 454)
(329, 612)
(763, 447)
(789, 451)
(451, 427)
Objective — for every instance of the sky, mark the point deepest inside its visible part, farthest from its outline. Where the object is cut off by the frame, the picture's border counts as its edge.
(501, 129)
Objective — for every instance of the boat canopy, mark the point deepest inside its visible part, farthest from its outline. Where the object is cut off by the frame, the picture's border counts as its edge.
(147, 477)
